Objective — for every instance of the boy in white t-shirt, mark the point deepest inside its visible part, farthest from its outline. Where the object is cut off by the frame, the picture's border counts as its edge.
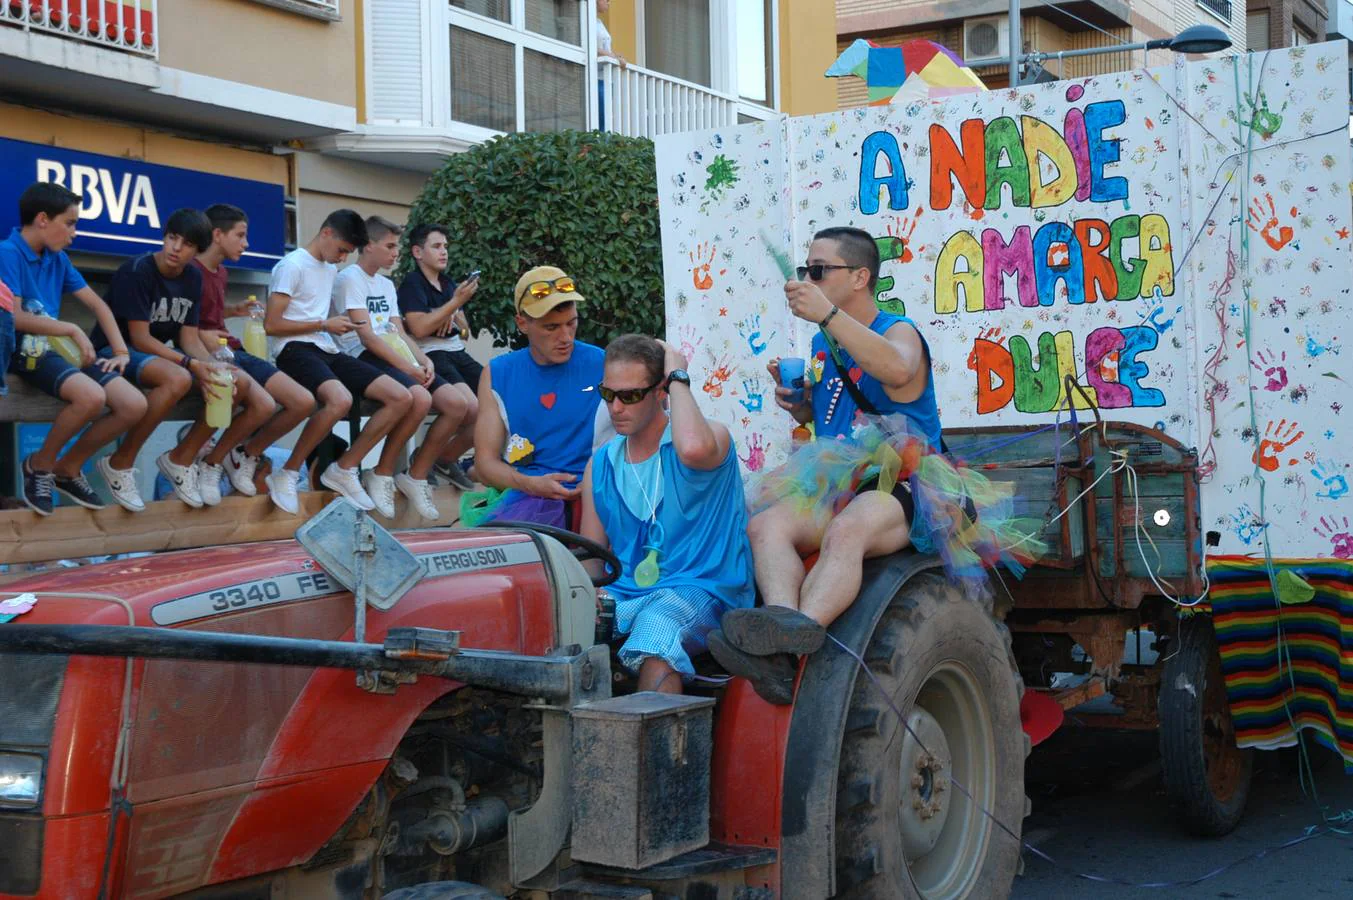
(299, 299)
(369, 299)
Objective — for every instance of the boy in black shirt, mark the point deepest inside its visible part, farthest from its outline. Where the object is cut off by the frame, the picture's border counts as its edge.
(155, 299)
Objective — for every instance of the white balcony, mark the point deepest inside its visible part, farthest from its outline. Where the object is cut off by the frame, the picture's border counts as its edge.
(638, 102)
(128, 26)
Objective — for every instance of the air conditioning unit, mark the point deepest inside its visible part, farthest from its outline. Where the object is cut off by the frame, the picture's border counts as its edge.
(985, 39)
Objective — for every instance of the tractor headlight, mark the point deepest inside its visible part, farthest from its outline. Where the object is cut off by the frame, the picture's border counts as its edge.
(20, 780)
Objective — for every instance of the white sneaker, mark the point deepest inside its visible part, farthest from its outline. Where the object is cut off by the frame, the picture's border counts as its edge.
(240, 467)
(209, 483)
(345, 482)
(122, 485)
(419, 494)
(282, 490)
(381, 490)
(182, 478)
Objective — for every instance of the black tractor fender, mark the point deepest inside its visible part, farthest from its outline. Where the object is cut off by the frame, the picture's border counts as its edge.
(813, 750)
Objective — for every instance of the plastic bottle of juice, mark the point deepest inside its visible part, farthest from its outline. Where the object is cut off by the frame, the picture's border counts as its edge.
(396, 340)
(255, 338)
(219, 401)
(58, 342)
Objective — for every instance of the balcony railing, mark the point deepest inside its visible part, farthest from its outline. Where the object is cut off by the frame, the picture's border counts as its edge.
(126, 25)
(638, 102)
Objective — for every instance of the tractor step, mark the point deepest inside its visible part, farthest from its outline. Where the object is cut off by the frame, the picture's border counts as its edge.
(713, 858)
(593, 890)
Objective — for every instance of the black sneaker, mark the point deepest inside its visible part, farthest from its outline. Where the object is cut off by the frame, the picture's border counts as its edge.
(79, 490)
(767, 630)
(772, 677)
(37, 490)
(453, 474)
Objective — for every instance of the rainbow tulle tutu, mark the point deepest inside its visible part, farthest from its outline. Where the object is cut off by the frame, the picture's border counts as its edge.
(822, 476)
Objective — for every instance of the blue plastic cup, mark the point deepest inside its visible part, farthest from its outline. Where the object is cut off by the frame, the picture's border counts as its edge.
(791, 376)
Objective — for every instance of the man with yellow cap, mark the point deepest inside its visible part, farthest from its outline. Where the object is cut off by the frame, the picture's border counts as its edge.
(539, 408)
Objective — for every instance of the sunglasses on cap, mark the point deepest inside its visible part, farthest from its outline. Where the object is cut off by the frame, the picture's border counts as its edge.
(628, 396)
(540, 289)
(816, 271)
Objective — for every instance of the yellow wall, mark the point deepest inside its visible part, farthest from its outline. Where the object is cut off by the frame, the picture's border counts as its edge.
(807, 50)
(263, 46)
(94, 136)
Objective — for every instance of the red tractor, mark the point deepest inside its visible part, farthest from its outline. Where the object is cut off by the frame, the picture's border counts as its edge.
(190, 724)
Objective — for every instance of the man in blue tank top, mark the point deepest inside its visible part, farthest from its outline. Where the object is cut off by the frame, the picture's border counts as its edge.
(888, 363)
(666, 496)
(538, 406)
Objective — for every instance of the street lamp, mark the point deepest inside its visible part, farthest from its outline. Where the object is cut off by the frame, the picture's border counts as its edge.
(1194, 39)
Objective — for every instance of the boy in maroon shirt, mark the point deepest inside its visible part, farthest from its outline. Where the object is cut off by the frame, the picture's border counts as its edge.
(230, 238)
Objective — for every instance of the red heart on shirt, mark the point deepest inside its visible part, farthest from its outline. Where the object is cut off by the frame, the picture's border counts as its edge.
(547, 400)
(855, 373)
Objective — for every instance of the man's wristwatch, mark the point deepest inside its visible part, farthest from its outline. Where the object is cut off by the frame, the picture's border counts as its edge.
(679, 376)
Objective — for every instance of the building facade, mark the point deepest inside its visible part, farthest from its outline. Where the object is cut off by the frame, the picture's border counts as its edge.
(978, 30)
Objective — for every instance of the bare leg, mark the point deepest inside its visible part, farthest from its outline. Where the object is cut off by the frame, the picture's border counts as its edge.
(168, 384)
(779, 537)
(658, 675)
(126, 405)
(873, 524)
(451, 413)
(395, 401)
(84, 402)
(298, 404)
(464, 438)
(420, 401)
(334, 403)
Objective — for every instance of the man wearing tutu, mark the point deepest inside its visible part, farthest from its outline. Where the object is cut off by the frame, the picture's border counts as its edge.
(666, 495)
(873, 481)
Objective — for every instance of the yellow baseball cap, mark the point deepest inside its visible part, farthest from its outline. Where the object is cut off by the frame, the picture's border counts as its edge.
(542, 289)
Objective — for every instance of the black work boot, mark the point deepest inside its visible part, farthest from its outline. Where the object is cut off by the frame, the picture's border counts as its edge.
(767, 630)
(772, 677)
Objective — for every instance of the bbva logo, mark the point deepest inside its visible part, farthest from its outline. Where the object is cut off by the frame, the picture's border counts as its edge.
(123, 201)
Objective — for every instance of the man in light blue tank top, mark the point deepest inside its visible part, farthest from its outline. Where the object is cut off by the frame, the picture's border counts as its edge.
(666, 496)
(888, 363)
(538, 408)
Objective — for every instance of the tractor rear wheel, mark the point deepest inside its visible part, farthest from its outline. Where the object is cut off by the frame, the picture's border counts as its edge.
(908, 822)
(1207, 777)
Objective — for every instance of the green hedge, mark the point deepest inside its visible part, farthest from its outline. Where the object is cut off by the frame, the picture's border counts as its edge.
(584, 201)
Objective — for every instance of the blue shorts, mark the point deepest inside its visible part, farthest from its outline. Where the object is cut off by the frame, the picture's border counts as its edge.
(260, 370)
(135, 366)
(669, 623)
(50, 371)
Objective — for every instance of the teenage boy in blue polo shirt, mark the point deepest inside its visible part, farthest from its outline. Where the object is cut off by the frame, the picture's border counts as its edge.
(34, 265)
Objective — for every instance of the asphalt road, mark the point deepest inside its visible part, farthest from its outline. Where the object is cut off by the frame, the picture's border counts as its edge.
(1099, 808)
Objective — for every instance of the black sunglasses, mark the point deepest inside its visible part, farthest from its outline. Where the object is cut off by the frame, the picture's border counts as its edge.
(627, 396)
(817, 270)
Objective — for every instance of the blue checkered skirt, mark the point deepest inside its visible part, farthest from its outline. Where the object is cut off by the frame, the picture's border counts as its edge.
(669, 623)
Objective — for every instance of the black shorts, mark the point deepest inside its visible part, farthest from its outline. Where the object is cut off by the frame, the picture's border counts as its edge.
(457, 367)
(310, 367)
(406, 380)
(902, 491)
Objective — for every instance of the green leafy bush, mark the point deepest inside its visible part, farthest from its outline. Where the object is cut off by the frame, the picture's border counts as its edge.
(586, 202)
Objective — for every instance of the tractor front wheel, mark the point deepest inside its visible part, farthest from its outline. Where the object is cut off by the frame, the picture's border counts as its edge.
(910, 819)
(1207, 777)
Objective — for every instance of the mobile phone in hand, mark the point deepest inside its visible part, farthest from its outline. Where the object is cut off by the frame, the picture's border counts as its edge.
(472, 276)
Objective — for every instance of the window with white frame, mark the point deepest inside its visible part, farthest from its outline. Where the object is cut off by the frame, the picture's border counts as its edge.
(518, 65)
(725, 45)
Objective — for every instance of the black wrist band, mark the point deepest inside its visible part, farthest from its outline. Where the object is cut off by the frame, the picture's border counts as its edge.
(186, 362)
(831, 315)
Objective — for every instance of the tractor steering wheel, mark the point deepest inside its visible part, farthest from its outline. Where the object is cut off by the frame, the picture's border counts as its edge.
(583, 548)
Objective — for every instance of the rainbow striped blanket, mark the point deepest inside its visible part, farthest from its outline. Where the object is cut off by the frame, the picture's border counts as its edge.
(1286, 666)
